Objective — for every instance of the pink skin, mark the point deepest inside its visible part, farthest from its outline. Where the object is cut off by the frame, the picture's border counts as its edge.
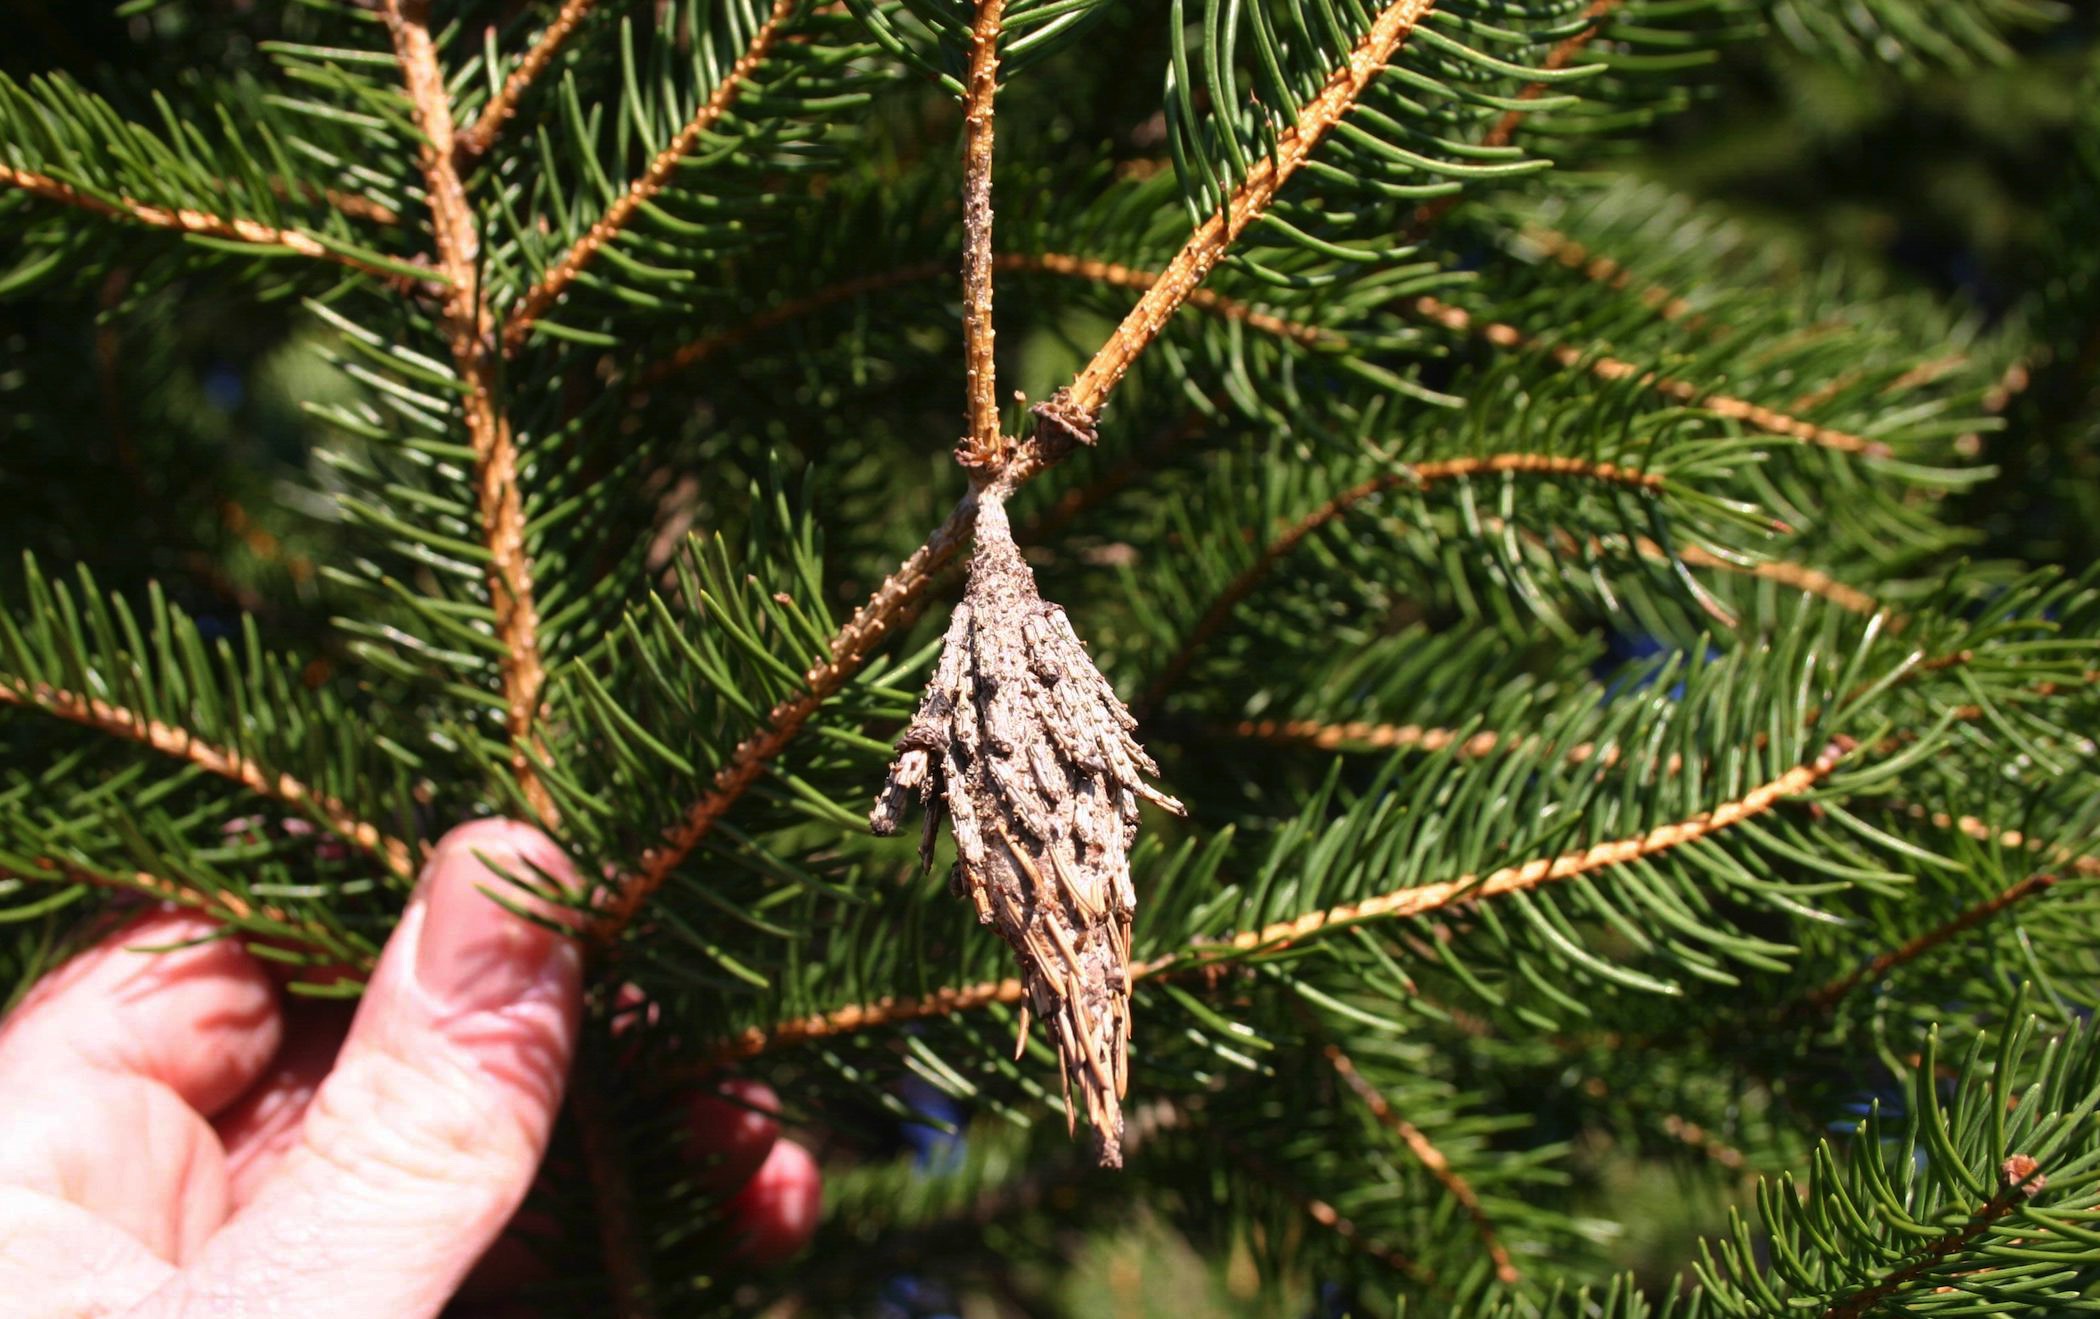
(181, 1141)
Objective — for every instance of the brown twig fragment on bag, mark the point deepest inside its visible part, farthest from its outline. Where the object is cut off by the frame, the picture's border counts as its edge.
(1026, 745)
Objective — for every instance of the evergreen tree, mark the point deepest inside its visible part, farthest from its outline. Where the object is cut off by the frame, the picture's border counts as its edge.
(1626, 653)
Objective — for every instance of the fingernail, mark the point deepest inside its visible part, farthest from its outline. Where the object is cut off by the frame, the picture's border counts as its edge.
(474, 955)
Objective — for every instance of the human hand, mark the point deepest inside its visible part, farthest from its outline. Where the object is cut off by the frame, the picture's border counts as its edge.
(178, 1140)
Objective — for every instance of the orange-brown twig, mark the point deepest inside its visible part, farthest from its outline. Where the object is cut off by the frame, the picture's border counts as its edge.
(1265, 176)
(691, 354)
(2019, 1177)
(1472, 889)
(983, 447)
(555, 280)
(467, 324)
(1820, 1001)
(1416, 474)
(1505, 129)
(1327, 1216)
(224, 905)
(612, 1195)
(1604, 270)
(183, 220)
(1428, 1155)
(1688, 1132)
(1611, 368)
(2059, 856)
(349, 203)
(1129, 277)
(481, 134)
(850, 648)
(182, 745)
(1407, 902)
(1052, 263)
(338, 960)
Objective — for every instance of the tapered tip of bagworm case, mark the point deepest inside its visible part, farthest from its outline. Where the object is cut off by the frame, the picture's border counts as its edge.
(1108, 1145)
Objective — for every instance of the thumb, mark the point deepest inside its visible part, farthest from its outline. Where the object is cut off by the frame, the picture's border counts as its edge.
(417, 1148)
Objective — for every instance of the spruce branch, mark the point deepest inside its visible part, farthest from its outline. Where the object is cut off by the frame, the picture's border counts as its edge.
(1074, 266)
(1406, 474)
(498, 499)
(2020, 1179)
(1611, 368)
(223, 906)
(983, 447)
(1602, 269)
(538, 300)
(1364, 735)
(620, 1237)
(1504, 130)
(1327, 1216)
(1427, 1154)
(1982, 831)
(1200, 254)
(1117, 275)
(1687, 1132)
(850, 648)
(698, 350)
(184, 220)
(181, 744)
(1924, 373)
(1820, 1001)
(349, 204)
(479, 136)
(1467, 890)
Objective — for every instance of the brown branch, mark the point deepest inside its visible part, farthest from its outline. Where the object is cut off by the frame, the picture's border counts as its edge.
(1611, 368)
(1429, 1156)
(1688, 1132)
(1604, 270)
(1505, 128)
(1122, 276)
(866, 1016)
(2059, 856)
(1924, 373)
(350, 204)
(612, 1194)
(1408, 902)
(1322, 735)
(1266, 175)
(698, 350)
(481, 135)
(183, 220)
(467, 322)
(555, 280)
(983, 447)
(870, 624)
(1053, 263)
(1472, 889)
(1327, 1216)
(183, 745)
(1809, 581)
(224, 906)
(2019, 1178)
(1415, 474)
(1821, 1001)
